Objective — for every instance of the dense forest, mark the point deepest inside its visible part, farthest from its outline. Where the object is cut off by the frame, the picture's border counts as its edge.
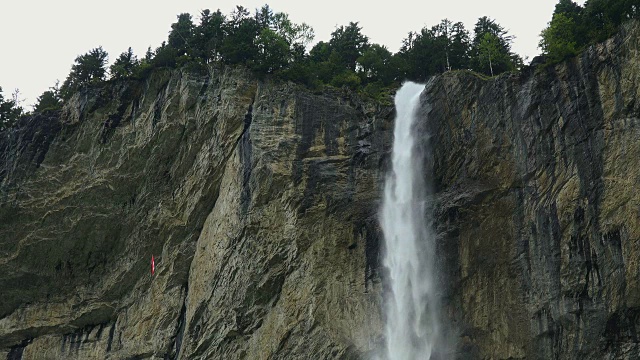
(270, 44)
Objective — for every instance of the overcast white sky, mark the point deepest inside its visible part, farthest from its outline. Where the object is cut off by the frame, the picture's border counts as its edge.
(41, 38)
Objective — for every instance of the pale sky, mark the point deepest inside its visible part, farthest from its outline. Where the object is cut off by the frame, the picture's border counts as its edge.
(41, 38)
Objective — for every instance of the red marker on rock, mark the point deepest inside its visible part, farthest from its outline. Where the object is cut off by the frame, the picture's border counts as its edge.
(153, 265)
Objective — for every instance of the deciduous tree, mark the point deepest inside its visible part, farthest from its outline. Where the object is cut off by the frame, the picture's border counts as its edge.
(558, 40)
(492, 41)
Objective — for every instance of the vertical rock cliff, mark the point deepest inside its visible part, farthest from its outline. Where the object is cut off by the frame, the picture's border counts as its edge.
(257, 199)
(259, 202)
(538, 210)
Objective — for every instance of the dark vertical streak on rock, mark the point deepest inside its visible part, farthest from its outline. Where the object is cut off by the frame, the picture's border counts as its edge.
(541, 136)
(16, 352)
(245, 149)
(182, 319)
(112, 332)
(305, 127)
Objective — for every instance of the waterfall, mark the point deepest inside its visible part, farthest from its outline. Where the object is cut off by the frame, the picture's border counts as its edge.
(412, 326)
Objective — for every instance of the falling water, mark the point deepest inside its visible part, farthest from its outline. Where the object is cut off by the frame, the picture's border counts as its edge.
(412, 325)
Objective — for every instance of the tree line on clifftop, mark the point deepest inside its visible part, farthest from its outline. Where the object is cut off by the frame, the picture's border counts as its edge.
(270, 44)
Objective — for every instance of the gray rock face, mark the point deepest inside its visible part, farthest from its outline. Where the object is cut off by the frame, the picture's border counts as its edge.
(538, 212)
(258, 201)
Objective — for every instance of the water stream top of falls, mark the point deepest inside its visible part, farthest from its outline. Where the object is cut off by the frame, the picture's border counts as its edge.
(412, 326)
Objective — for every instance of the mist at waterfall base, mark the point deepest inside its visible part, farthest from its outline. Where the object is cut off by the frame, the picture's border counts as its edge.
(412, 328)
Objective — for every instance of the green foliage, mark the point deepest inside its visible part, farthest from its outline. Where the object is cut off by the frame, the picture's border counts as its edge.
(182, 35)
(270, 44)
(124, 66)
(603, 17)
(238, 45)
(568, 8)
(209, 35)
(142, 70)
(348, 44)
(273, 52)
(144, 67)
(50, 100)
(443, 47)
(280, 42)
(377, 65)
(267, 42)
(302, 72)
(491, 49)
(488, 50)
(293, 34)
(559, 38)
(10, 110)
(378, 92)
(165, 56)
(320, 52)
(416, 62)
(148, 56)
(451, 44)
(346, 79)
(89, 68)
(574, 27)
(338, 61)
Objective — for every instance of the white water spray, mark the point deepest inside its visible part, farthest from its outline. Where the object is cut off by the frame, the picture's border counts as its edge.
(412, 327)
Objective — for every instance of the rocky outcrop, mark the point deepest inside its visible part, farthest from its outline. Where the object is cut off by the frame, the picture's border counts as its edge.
(257, 199)
(536, 178)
